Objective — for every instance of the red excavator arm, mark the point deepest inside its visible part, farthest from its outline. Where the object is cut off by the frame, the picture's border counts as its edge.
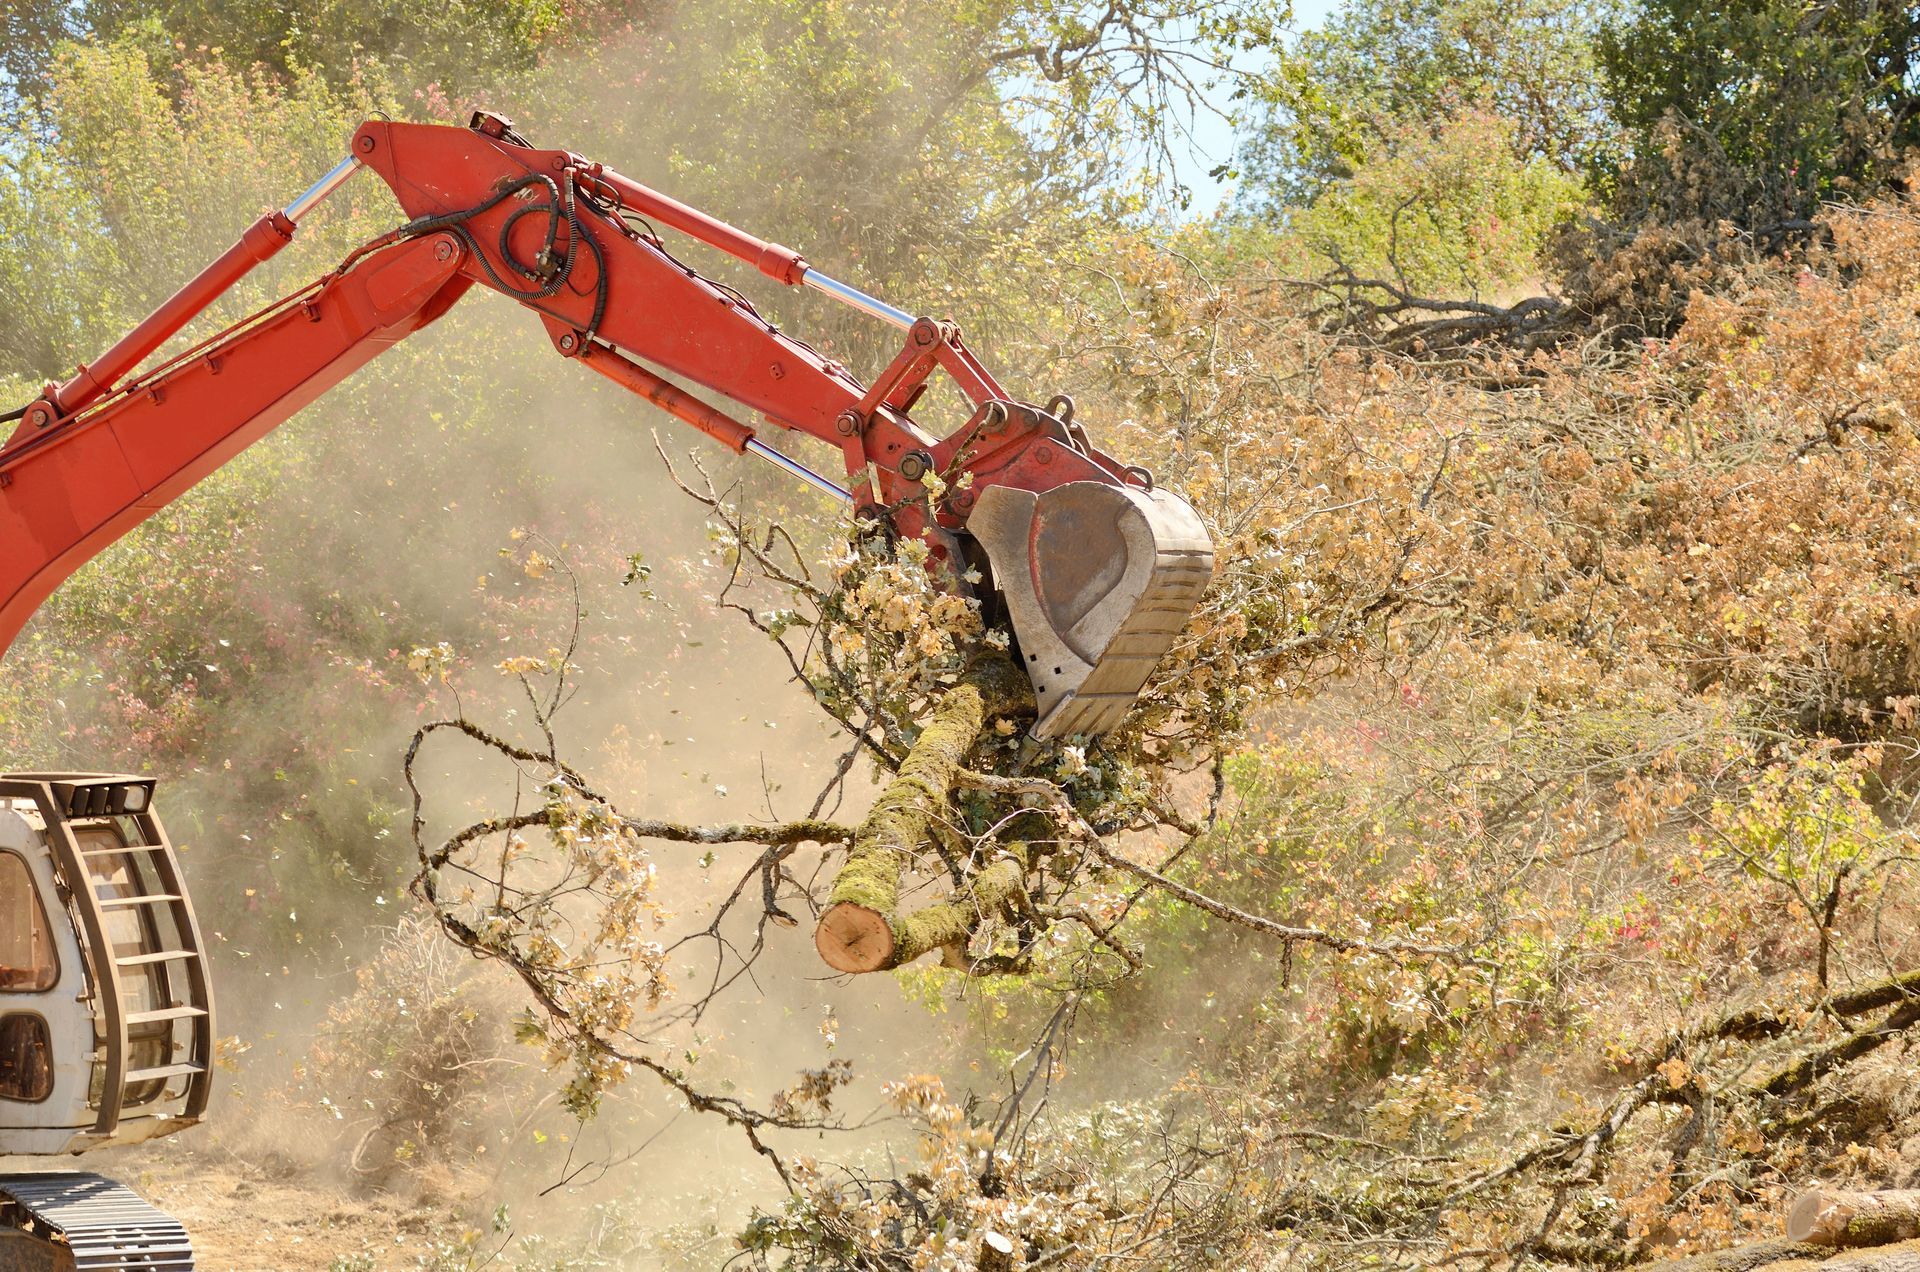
(1099, 569)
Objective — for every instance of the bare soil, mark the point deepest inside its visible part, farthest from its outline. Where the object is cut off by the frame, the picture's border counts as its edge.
(244, 1217)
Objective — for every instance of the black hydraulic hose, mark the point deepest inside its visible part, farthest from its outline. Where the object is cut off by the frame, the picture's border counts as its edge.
(546, 253)
(428, 224)
(559, 206)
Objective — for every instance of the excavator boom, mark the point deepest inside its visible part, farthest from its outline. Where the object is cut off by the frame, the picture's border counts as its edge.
(1099, 569)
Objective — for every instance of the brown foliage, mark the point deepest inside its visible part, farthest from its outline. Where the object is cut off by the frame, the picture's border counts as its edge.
(1560, 717)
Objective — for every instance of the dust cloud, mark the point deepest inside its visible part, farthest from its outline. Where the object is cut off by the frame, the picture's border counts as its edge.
(683, 712)
(463, 441)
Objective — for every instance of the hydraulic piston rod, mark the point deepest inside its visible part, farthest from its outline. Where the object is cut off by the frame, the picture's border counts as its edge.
(262, 240)
(848, 295)
(800, 470)
(319, 190)
(772, 259)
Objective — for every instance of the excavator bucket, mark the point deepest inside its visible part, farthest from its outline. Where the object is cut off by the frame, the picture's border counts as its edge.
(1099, 580)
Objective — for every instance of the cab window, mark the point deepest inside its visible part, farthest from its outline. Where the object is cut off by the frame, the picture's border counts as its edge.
(26, 1065)
(27, 960)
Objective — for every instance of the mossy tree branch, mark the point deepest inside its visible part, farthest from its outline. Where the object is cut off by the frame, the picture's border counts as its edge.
(946, 925)
(861, 929)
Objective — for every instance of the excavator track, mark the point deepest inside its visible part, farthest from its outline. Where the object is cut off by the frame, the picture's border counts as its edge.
(87, 1224)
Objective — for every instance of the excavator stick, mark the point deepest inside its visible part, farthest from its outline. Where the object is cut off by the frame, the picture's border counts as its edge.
(1099, 569)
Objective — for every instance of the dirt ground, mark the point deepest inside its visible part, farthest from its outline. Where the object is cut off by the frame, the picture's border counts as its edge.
(245, 1222)
(243, 1219)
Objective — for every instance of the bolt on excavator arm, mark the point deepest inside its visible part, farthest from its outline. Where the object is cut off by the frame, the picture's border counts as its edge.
(1099, 568)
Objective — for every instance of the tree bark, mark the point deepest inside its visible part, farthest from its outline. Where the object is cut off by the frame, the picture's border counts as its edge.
(1855, 1045)
(1830, 1217)
(1769, 1255)
(854, 939)
(861, 929)
(996, 1253)
(947, 924)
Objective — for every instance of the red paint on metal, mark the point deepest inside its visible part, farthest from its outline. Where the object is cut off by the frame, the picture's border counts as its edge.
(73, 490)
(656, 311)
(262, 239)
(90, 461)
(771, 259)
(676, 402)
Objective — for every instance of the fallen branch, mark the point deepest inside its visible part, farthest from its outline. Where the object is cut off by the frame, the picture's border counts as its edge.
(1383, 313)
(862, 929)
(1582, 1153)
(1832, 1218)
(1746, 1258)
(1821, 1221)
(1806, 1068)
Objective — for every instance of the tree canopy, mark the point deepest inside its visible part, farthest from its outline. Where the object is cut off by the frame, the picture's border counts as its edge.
(1792, 104)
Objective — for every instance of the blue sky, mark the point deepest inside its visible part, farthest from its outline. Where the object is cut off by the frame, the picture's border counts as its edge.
(1213, 136)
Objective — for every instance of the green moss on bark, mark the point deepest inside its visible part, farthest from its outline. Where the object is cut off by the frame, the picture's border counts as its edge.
(898, 824)
(952, 921)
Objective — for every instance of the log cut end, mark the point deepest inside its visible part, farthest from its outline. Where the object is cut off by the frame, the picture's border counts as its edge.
(996, 1252)
(1832, 1217)
(1810, 1219)
(853, 938)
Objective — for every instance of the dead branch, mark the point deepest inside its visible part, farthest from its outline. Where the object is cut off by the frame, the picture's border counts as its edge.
(1387, 315)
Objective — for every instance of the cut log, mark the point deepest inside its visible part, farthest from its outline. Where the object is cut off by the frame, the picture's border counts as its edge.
(861, 929)
(853, 938)
(1830, 1217)
(996, 1253)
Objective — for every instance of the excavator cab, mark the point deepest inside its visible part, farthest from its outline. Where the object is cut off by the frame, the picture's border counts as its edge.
(106, 1015)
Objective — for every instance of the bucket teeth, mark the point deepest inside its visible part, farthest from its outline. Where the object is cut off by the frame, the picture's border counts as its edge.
(1099, 581)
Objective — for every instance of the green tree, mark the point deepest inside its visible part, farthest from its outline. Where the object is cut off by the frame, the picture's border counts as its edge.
(1757, 111)
(29, 32)
(457, 44)
(1447, 209)
(1342, 92)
